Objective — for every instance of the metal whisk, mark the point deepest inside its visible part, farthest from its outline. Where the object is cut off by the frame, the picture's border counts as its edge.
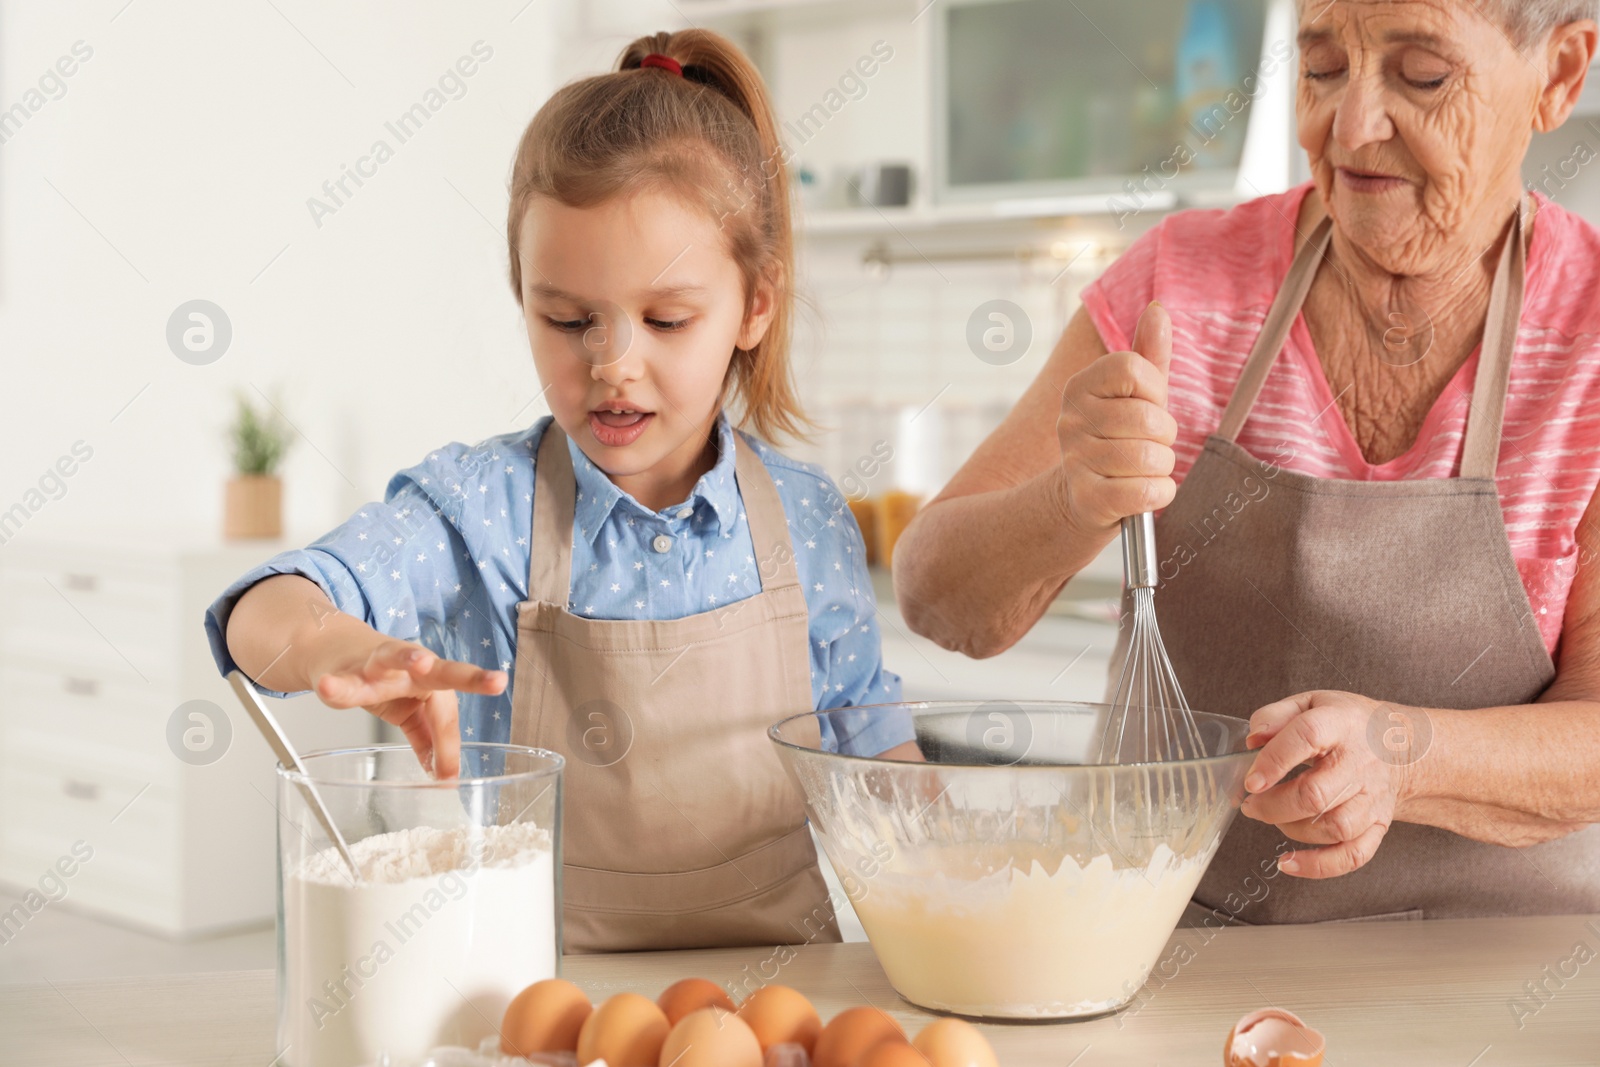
(1150, 720)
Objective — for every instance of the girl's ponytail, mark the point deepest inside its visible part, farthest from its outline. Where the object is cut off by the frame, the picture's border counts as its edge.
(643, 125)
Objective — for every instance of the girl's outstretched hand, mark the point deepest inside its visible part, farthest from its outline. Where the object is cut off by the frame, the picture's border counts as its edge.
(406, 685)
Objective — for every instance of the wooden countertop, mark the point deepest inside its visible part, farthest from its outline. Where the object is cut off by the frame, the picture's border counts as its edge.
(1447, 993)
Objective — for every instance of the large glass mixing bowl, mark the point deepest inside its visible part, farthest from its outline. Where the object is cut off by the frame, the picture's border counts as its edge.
(1003, 873)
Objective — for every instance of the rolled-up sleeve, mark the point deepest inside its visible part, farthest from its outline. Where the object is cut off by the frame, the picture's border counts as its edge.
(396, 565)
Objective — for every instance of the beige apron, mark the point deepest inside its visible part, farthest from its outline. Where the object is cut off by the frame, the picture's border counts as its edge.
(681, 828)
(1276, 583)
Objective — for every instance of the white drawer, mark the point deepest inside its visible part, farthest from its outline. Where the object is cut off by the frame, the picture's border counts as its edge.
(102, 883)
(46, 805)
(93, 577)
(129, 628)
(94, 712)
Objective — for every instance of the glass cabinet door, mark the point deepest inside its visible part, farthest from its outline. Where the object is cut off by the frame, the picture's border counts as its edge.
(1060, 96)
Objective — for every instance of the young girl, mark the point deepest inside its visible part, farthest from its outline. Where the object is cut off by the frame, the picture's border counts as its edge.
(631, 581)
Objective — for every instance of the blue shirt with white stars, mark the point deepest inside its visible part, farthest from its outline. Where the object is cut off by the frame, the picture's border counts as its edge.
(443, 560)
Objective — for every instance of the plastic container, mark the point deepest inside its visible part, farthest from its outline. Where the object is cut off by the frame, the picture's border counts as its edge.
(458, 907)
(1009, 876)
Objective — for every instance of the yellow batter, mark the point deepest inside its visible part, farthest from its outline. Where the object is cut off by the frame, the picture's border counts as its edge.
(1025, 941)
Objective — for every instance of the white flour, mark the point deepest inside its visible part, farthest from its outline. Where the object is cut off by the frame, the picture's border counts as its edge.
(447, 927)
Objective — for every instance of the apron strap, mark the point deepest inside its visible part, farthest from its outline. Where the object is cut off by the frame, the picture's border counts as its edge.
(1480, 452)
(769, 524)
(1275, 331)
(555, 491)
(1487, 404)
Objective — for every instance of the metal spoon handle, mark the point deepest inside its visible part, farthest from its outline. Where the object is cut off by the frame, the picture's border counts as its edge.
(267, 723)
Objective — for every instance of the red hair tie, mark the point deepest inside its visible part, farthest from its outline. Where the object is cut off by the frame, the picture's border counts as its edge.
(656, 59)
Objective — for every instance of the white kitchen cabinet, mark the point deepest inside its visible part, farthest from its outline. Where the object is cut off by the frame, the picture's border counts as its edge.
(100, 644)
(1059, 659)
(1065, 657)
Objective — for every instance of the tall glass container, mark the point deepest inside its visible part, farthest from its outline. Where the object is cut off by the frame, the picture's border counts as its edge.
(456, 906)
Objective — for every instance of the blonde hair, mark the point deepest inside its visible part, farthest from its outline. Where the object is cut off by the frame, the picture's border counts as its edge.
(708, 135)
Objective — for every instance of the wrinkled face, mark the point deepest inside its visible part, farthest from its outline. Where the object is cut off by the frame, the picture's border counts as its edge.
(1415, 115)
(633, 309)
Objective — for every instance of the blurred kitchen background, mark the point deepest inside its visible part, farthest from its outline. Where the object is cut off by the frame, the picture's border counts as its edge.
(964, 167)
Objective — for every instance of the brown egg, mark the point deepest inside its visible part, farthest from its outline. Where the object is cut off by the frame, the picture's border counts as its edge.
(785, 1054)
(780, 1015)
(692, 994)
(851, 1033)
(711, 1037)
(627, 1030)
(892, 1053)
(1273, 1038)
(545, 1017)
(955, 1043)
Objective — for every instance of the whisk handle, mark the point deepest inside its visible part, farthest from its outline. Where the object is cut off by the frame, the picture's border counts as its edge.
(1139, 551)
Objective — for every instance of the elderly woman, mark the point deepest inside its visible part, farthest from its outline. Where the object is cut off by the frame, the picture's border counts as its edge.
(1368, 412)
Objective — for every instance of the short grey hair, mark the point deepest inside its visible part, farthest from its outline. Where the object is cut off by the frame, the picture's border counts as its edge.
(1529, 21)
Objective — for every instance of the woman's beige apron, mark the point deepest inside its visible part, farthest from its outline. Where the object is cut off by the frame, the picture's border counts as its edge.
(681, 829)
(1276, 583)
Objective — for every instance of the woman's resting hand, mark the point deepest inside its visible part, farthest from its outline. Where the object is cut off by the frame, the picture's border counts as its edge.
(1360, 752)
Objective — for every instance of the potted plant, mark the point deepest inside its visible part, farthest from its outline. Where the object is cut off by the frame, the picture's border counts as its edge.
(254, 500)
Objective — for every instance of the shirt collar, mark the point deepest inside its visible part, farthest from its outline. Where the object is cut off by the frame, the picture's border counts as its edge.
(598, 495)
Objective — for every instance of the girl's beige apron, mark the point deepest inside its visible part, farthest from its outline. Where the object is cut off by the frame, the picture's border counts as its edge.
(681, 828)
(1276, 583)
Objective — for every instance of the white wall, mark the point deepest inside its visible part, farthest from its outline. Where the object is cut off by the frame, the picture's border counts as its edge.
(177, 165)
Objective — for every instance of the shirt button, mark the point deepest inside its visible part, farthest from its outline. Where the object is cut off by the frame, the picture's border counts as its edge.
(662, 543)
(684, 513)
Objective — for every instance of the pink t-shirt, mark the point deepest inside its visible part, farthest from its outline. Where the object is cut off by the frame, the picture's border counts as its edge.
(1216, 272)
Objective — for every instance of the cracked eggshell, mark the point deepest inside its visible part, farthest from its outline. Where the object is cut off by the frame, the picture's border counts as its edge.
(1273, 1037)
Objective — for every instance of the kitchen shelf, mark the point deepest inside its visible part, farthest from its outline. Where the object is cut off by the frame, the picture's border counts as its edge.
(868, 221)
(1095, 208)
(770, 13)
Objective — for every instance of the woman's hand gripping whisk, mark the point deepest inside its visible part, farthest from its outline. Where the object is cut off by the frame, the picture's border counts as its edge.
(1149, 721)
